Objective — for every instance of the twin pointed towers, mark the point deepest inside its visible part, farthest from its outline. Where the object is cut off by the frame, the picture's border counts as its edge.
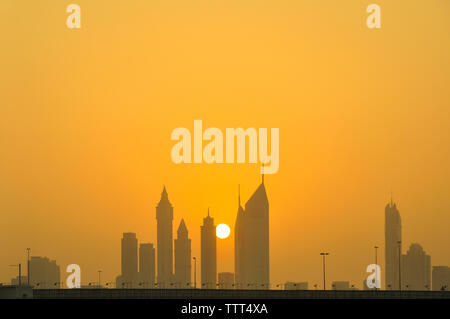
(251, 246)
(166, 278)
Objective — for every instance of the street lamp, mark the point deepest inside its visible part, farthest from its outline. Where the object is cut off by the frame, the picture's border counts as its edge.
(41, 284)
(324, 254)
(99, 282)
(145, 283)
(28, 266)
(109, 284)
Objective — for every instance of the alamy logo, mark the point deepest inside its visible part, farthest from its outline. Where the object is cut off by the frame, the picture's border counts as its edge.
(374, 279)
(74, 279)
(74, 19)
(213, 152)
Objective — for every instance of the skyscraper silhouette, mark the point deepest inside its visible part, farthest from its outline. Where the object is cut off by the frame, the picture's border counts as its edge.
(441, 278)
(252, 242)
(208, 253)
(393, 237)
(45, 273)
(164, 217)
(147, 265)
(416, 269)
(182, 257)
(129, 277)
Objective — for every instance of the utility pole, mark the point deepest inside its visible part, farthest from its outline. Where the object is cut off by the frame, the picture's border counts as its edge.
(99, 282)
(324, 254)
(28, 266)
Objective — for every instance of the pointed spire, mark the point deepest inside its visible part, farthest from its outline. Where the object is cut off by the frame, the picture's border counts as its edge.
(208, 220)
(262, 174)
(259, 195)
(164, 197)
(182, 229)
(164, 194)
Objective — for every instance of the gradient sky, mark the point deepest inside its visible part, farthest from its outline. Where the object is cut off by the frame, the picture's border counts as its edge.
(86, 117)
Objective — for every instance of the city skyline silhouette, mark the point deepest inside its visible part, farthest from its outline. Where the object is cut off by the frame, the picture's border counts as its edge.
(409, 270)
(86, 129)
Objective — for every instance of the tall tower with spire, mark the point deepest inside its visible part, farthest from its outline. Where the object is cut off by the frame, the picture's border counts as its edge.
(182, 257)
(164, 217)
(393, 246)
(208, 253)
(252, 269)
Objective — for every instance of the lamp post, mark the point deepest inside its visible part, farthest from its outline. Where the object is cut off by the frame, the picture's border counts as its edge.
(99, 282)
(109, 284)
(28, 266)
(324, 254)
(41, 284)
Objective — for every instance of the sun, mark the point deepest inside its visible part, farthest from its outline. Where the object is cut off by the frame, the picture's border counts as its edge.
(222, 231)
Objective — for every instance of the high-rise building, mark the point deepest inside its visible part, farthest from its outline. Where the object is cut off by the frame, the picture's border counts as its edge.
(416, 269)
(393, 246)
(252, 242)
(441, 278)
(44, 273)
(182, 257)
(164, 217)
(147, 265)
(129, 276)
(226, 280)
(208, 253)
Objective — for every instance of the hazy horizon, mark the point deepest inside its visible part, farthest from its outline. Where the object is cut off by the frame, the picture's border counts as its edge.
(87, 114)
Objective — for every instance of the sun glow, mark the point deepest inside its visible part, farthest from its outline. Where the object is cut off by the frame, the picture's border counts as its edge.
(222, 231)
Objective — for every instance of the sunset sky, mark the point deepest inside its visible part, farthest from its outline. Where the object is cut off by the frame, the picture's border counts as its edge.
(86, 117)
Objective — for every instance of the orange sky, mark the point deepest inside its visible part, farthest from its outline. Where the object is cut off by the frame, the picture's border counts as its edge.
(86, 118)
